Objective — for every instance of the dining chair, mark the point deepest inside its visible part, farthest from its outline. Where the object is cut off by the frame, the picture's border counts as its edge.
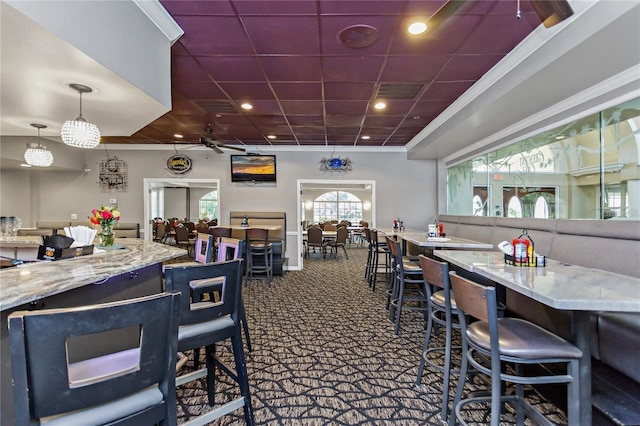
(259, 254)
(442, 311)
(314, 240)
(512, 341)
(330, 227)
(408, 289)
(61, 379)
(183, 240)
(202, 228)
(161, 232)
(339, 241)
(203, 323)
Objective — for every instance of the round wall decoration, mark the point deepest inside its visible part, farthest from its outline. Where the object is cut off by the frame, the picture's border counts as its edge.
(179, 164)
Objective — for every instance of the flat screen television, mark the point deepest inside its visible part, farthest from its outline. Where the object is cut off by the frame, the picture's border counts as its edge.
(253, 168)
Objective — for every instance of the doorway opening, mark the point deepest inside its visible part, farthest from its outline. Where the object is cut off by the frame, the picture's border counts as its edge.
(179, 197)
(311, 194)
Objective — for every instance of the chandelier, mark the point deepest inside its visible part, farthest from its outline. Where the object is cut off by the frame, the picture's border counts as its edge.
(79, 133)
(336, 165)
(36, 154)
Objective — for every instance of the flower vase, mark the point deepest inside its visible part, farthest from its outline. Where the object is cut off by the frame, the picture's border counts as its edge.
(106, 236)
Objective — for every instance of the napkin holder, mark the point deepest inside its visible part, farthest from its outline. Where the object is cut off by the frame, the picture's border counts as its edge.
(52, 253)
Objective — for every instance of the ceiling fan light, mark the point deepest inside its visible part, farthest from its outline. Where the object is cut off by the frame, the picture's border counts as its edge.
(38, 155)
(80, 134)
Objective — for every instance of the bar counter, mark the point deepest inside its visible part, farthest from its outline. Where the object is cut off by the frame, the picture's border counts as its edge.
(115, 274)
(34, 281)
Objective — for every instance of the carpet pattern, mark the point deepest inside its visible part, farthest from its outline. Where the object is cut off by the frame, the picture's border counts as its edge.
(324, 353)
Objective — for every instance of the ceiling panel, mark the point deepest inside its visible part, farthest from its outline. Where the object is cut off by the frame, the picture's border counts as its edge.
(309, 86)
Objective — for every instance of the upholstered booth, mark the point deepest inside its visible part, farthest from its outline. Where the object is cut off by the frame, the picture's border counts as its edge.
(277, 237)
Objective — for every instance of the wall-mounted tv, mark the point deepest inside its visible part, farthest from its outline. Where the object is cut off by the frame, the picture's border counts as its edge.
(253, 168)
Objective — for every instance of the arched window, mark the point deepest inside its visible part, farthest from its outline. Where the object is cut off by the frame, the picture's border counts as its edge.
(541, 210)
(208, 207)
(514, 208)
(337, 205)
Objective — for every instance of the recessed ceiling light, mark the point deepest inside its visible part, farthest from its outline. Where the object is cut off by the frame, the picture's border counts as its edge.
(247, 106)
(380, 105)
(417, 28)
(416, 117)
(365, 137)
(271, 136)
(178, 136)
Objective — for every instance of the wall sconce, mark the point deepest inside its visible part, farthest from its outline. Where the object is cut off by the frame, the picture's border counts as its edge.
(366, 205)
(79, 133)
(308, 205)
(36, 154)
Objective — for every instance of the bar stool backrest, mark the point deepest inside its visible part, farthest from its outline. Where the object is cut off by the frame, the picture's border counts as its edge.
(54, 374)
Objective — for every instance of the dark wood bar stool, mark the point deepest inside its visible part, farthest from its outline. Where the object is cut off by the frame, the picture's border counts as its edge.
(510, 341)
(259, 254)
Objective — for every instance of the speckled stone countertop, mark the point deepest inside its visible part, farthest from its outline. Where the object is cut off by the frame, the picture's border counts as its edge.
(559, 285)
(34, 281)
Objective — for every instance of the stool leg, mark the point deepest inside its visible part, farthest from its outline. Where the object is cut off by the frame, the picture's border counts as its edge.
(242, 376)
(245, 326)
(425, 346)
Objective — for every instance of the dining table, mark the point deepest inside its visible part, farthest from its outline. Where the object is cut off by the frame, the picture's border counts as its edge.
(559, 285)
(421, 239)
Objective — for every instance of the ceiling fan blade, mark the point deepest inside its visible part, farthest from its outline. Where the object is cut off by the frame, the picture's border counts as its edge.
(232, 147)
(216, 149)
(442, 14)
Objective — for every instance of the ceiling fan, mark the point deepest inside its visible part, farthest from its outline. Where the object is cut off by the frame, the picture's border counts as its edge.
(210, 142)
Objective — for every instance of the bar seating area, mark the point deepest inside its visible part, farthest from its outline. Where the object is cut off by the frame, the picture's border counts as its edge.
(327, 212)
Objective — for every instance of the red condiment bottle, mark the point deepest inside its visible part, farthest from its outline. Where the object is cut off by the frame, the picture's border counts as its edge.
(520, 249)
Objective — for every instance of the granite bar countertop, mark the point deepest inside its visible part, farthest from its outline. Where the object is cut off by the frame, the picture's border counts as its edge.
(34, 281)
(558, 284)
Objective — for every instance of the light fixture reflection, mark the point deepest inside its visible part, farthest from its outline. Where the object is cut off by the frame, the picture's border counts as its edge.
(79, 133)
(36, 154)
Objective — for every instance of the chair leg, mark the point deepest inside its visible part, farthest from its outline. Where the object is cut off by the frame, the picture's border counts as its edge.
(210, 352)
(245, 326)
(425, 347)
(242, 376)
(345, 252)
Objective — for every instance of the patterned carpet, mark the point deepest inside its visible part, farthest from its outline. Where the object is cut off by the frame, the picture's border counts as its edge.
(324, 353)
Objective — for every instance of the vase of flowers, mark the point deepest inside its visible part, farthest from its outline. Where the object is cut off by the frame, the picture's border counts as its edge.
(106, 218)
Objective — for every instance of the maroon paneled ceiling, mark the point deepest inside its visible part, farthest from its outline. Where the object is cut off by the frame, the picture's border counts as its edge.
(307, 87)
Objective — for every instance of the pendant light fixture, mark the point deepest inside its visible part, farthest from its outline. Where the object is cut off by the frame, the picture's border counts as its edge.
(36, 154)
(79, 133)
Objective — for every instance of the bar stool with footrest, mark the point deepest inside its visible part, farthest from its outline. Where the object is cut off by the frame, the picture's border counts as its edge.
(259, 254)
(67, 372)
(441, 312)
(514, 342)
(377, 249)
(408, 290)
(207, 322)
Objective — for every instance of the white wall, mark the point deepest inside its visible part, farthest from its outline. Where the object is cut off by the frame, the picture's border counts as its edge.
(403, 188)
